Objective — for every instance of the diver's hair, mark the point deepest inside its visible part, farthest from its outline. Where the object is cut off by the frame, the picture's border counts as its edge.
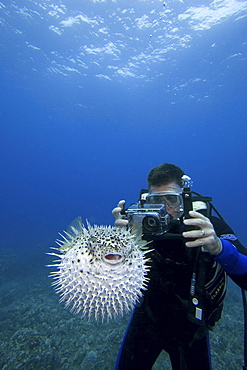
(164, 174)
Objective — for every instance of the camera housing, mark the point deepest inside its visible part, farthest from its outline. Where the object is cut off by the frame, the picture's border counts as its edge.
(153, 218)
(157, 224)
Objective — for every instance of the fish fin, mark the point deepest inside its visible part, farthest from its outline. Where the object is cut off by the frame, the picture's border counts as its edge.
(138, 234)
(75, 227)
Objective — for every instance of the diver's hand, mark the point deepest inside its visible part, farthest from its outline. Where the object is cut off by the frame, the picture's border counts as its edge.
(120, 222)
(205, 237)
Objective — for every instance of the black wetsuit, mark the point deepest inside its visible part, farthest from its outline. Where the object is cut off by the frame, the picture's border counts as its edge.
(161, 320)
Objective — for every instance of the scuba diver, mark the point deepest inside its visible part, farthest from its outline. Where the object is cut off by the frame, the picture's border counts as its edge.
(191, 252)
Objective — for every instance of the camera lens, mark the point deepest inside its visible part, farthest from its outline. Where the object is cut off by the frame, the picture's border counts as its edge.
(150, 223)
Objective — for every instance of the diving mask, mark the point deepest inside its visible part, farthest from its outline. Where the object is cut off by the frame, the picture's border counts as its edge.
(173, 201)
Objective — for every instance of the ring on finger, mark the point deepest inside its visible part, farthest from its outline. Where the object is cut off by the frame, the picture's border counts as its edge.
(203, 233)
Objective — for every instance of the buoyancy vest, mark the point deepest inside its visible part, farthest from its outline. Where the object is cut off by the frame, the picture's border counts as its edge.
(196, 285)
(189, 278)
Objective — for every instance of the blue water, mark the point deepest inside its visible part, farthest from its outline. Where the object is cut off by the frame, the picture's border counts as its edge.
(96, 93)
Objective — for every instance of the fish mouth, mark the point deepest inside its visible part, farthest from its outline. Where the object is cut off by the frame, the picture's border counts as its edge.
(113, 258)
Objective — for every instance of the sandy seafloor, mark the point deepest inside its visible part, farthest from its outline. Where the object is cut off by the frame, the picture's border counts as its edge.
(36, 332)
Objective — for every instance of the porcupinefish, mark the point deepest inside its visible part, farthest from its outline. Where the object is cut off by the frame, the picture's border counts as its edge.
(102, 270)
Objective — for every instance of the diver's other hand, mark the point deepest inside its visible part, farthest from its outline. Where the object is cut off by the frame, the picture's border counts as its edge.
(120, 221)
(204, 237)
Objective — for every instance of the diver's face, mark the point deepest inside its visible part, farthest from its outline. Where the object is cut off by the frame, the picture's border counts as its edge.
(171, 187)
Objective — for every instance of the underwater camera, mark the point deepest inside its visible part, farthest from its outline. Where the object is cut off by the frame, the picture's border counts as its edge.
(153, 218)
(151, 213)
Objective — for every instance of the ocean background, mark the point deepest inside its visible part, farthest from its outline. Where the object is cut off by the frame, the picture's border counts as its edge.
(94, 93)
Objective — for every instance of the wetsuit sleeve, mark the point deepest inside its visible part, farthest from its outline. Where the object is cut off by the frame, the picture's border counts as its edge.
(233, 262)
(233, 257)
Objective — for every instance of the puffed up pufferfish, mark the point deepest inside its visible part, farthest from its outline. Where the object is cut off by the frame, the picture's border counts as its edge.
(101, 271)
